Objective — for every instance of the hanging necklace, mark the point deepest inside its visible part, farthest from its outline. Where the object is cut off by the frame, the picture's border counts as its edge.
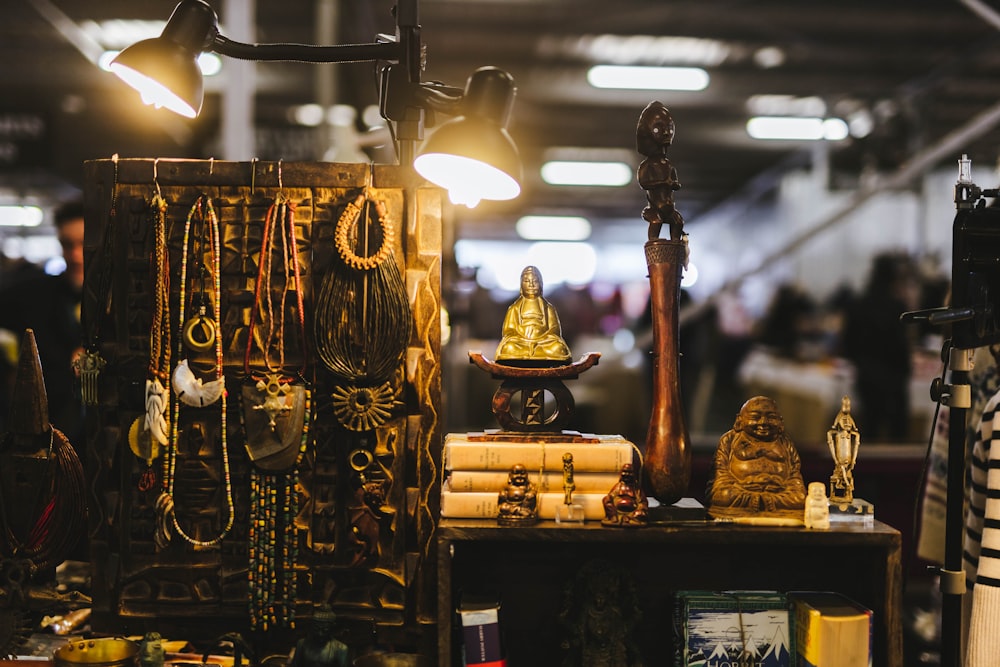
(90, 363)
(363, 318)
(276, 423)
(150, 433)
(205, 212)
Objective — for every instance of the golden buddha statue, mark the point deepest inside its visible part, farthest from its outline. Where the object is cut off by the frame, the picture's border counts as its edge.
(757, 470)
(531, 330)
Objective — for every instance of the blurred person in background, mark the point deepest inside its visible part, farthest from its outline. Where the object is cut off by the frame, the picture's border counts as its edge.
(880, 347)
(50, 306)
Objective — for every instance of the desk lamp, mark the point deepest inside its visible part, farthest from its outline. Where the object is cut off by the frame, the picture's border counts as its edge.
(471, 156)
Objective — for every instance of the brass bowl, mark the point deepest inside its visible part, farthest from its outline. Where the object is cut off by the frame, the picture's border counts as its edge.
(391, 660)
(104, 652)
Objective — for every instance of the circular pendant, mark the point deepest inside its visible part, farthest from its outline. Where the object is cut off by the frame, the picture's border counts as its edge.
(142, 443)
(363, 408)
(199, 332)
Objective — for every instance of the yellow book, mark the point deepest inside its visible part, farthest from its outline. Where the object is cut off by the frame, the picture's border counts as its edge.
(494, 480)
(831, 630)
(598, 453)
(483, 504)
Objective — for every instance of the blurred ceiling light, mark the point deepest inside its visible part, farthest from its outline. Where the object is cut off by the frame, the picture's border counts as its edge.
(789, 128)
(310, 115)
(119, 33)
(21, 216)
(769, 57)
(637, 49)
(785, 105)
(647, 78)
(553, 228)
(611, 174)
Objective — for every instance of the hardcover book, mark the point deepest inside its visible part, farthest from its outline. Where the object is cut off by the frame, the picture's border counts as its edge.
(831, 630)
(549, 481)
(483, 504)
(591, 453)
(481, 637)
(746, 628)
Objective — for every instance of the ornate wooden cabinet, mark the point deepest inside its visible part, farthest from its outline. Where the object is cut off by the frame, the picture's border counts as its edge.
(350, 523)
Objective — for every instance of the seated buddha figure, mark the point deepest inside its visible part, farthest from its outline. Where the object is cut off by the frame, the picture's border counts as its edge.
(757, 471)
(517, 501)
(626, 504)
(531, 330)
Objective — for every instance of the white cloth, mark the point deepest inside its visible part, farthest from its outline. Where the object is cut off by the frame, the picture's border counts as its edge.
(982, 542)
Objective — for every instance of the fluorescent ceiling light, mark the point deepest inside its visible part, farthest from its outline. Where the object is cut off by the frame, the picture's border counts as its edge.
(796, 128)
(637, 49)
(553, 228)
(612, 174)
(647, 78)
(21, 216)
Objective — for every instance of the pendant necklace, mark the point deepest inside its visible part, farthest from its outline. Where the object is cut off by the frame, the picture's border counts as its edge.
(276, 417)
(90, 363)
(363, 318)
(203, 210)
(150, 433)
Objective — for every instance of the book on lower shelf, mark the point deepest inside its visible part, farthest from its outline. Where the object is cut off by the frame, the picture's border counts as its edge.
(482, 641)
(496, 451)
(732, 628)
(831, 630)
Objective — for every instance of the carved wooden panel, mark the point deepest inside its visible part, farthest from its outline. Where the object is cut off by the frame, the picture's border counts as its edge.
(351, 523)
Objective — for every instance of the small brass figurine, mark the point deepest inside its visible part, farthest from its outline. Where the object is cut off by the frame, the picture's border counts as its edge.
(569, 512)
(151, 651)
(817, 515)
(531, 329)
(568, 484)
(843, 439)
(518, 499)
(757, 470)
(319, 648)
(625, 505)
(600, 614)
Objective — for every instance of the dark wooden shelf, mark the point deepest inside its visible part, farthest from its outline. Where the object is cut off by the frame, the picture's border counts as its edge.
(529, 568)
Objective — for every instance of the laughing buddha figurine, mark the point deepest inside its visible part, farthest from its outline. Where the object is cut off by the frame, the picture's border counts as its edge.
(531, 331)
(757, 471)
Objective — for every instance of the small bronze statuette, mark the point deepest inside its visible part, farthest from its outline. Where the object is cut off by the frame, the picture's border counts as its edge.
(625, 505)
(569, 511)
(843, 439)
(531, 329)
(757, 468)
(88, 367)
(518, 499)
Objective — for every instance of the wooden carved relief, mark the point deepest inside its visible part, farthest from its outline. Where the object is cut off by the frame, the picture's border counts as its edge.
(355, 512)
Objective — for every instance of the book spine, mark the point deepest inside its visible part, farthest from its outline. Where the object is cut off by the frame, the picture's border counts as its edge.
(548, 482)
(587, 457)
(483, 504)
(481, 643)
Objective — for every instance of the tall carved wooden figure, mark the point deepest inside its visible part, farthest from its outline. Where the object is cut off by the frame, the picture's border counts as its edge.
(667, 469)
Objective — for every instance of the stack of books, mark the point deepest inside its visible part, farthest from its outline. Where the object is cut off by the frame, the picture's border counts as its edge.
(476, 466)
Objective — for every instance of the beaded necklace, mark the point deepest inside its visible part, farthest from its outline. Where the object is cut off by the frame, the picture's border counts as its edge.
(363, 319)
(150, 433)
(274, 500)
(205, 212)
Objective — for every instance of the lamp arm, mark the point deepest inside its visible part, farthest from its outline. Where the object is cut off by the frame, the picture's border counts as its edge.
(309, 53)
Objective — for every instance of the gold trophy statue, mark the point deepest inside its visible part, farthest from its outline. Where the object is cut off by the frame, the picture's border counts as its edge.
(843, 439)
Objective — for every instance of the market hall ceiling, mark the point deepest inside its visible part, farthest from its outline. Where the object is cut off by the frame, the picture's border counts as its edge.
(916, 71)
